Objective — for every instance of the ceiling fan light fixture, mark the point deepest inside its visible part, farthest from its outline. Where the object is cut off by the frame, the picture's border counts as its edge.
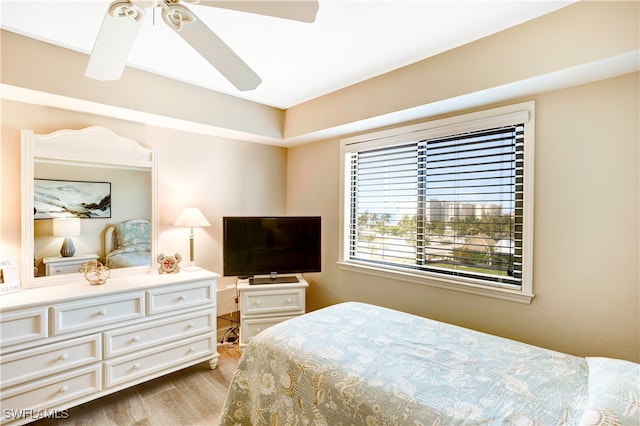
(175, 15)
(126, 9)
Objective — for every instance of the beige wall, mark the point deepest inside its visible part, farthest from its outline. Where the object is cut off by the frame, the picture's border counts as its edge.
(33, 64)
(586, 255)
(221, 176)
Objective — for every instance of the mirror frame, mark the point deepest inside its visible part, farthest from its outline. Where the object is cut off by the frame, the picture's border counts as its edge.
(95, 146)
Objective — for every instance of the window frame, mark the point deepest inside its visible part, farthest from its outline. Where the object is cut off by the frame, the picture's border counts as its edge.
(513, 114)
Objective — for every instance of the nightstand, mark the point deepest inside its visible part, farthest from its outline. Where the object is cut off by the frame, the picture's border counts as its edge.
(66, 265)
(264, 305)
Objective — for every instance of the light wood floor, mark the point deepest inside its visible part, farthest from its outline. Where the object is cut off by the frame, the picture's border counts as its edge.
(193, 396)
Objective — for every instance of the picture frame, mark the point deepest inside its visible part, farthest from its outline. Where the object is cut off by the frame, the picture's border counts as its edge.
(9, 282)
(69, 198)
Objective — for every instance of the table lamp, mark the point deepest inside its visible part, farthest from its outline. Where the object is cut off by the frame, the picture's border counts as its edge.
(191, 217)
(66, 227)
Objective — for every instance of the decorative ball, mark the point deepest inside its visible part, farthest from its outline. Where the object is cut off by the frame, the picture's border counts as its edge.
(95, 272)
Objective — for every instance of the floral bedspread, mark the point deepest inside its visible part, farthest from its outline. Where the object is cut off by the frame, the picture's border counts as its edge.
(357, 364)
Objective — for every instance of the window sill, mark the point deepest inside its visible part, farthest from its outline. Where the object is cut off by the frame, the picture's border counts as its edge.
(449, 283)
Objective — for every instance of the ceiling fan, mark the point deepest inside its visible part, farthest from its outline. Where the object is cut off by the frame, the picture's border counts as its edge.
(124, 18)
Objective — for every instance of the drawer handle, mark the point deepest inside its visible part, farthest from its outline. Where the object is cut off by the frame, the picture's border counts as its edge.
(64, 356)
(64, 389)
(191, 350)
(135, 339)
(136, 366)
(258, 302)
(190, 325)
(182, 297)
(288, 300)
(258, 329)
(102, 312)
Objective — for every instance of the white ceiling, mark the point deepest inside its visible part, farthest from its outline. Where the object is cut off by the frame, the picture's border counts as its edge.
(350, 41)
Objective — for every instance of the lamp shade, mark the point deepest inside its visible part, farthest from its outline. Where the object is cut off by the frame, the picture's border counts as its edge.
(192, 216)
(66, 227)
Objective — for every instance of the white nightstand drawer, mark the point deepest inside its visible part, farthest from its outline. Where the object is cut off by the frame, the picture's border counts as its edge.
(125, 340)
(49, 359)
(52, 392)
(63, 269)
(180, 296)
(251, 327)
(23, 326)
(66, 265)
(273, 302)
(74, 316)
(133, 367)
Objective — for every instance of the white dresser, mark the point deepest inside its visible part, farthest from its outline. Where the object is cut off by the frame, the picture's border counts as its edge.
(264, 305)
(65, 345)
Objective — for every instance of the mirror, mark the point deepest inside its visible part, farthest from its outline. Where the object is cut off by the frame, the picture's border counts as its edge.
(107, 167)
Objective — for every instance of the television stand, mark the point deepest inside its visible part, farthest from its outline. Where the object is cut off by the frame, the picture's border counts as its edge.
(264, 305)
(286, 279)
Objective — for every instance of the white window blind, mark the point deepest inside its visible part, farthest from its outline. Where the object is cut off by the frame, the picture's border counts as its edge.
(443, 203)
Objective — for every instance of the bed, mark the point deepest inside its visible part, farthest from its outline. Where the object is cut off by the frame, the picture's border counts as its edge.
(128, 244)
(358, 364)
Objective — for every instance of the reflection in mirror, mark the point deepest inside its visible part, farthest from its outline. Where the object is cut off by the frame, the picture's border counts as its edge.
(130, 191)
(122, 236)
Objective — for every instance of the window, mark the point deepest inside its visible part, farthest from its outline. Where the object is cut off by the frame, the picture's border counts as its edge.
(447, 203)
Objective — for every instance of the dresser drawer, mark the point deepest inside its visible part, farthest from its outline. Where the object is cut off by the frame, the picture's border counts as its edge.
(251, 327)
(52, 392)
(23, 326)
(136, 366)
(49, 359)
(154, 333)
(273, 302)
(99, 311)
(180, 296)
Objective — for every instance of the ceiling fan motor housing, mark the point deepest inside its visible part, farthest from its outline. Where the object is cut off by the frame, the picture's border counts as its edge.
(144, 4)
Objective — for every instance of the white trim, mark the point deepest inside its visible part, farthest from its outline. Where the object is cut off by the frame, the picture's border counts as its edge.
(513, 114)
(504, 116)
(440, 281)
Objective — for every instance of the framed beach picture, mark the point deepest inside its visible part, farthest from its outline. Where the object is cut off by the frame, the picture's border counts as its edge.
(65, 198)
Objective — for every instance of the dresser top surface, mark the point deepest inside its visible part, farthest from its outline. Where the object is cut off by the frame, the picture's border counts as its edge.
(59, 293)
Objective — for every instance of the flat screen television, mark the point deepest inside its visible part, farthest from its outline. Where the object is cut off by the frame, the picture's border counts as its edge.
(270, 245)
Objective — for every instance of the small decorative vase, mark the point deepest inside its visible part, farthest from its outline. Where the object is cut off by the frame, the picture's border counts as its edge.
(95, 272)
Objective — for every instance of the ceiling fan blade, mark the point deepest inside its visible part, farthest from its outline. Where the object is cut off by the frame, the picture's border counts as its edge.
(297, 10)
(115, 40)
(211, 47)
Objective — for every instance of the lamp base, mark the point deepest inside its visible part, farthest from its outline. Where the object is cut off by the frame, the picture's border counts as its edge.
(67, 249)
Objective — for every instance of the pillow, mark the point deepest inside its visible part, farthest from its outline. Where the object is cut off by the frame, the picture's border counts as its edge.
(133, 232)
(614, 393)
